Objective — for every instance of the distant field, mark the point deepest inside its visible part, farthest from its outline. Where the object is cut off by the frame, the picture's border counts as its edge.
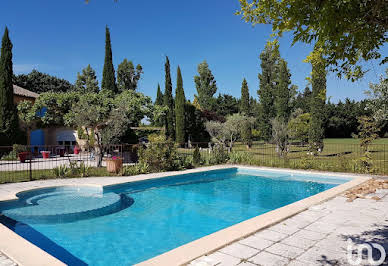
(353, 141)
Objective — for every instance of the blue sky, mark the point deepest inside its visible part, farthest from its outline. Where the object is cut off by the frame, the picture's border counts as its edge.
(62, 37)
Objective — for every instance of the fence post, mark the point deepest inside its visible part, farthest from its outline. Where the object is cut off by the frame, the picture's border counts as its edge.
(30, 165)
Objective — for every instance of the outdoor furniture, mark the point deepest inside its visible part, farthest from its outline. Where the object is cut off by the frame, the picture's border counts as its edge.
(45, 154)
(23, 156)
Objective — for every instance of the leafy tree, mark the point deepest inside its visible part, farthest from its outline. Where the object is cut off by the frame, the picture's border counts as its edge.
(40, 82)
(343, 32)
(179, 109)
(284, 92)
(9, 125)
(318, 83)
(206, 86)
(269, 58)
(229, 131)
(195, 124)
(299, 125)
(48, 110)
(108, 83)
(87, 81)
(127, 76)
(226, 105)
(303, 100)
(169, 103)
(280, 135)
(159, 96)
(378, 99)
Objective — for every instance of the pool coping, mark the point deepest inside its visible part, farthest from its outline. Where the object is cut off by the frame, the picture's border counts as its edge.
(23, 252)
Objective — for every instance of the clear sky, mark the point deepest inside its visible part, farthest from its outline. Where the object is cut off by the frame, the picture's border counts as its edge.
(62, 37)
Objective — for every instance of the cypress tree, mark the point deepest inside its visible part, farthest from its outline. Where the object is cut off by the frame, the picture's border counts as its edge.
(169, 102)
(269, 58)
(317, 106)
(283, 92)
(179, 109)
(9, 124)
(245, 109)
(159, 97)
(87, 81)
(108, 75)
(244, 105)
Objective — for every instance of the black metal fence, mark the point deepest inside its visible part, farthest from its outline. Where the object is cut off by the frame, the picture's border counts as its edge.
(40, 162)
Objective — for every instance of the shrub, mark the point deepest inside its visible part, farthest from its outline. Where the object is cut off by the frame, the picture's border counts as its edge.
(13, 155)
(196, 156)
(240, 158)
(138, 169)
(61, 171)
(159, 156)
(218, 155)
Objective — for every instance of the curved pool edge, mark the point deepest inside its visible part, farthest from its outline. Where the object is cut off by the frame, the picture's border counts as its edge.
(25, 253)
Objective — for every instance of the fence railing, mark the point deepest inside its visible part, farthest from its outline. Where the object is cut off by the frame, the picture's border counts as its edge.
(44, 162)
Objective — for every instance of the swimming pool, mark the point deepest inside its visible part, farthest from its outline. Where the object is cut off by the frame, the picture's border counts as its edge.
(129, 223)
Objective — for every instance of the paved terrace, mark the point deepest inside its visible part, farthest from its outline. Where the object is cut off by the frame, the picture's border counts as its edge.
(317, 236)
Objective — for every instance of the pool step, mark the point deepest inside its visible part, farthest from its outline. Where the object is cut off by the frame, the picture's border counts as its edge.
(68, 207)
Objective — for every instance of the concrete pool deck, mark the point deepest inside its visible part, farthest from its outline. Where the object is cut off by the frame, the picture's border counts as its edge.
(23, 252)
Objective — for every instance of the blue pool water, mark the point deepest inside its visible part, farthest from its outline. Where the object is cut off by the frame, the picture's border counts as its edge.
(129, 223)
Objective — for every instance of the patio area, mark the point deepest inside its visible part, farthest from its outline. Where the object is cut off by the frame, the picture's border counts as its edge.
(317, 236)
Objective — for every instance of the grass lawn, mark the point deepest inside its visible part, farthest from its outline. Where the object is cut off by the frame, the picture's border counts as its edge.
(353, 141)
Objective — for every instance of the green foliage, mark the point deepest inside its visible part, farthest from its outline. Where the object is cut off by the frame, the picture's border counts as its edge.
(280, 136)
(160, 156)
(169, 103)
(180, 109)
(41, 82)
(9, 124)
(159, 96)
(317, 107)
(108, 83)
(244, 103)
(128, 76)
(284, 92)
(61, 171)
(226, 105)
(81, 133)
(13, 155)
(87, 81)
(269, 58)
(194, 124)
(299, 125)
(378, 99)
(137, 169)
(196, 156)
(368, 132)
(206, 86)
(238, 157)
(218, 155)
(344, 32)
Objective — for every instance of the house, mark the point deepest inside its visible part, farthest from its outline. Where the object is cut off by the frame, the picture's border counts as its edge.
(51, 136)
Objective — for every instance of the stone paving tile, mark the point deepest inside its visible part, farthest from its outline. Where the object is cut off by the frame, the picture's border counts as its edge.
(268, 259)
(239, 251)
(298, 242)
(321, 227)
(303, 263)
(298, 222)
(257, 242)
(285, 228)
(217, 258)
(310, 235)
(246, 263)
(271, 235)
(5, 261)
(285, 250)
(323, 257)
